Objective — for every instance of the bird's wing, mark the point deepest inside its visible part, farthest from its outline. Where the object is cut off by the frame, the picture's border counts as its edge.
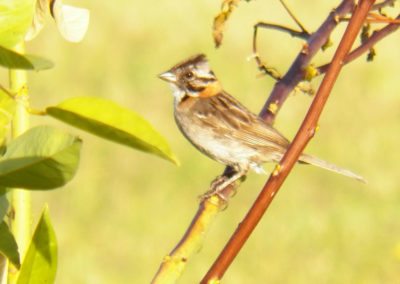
(230, 118)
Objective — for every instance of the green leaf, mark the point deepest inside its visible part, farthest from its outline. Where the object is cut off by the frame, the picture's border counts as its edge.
(8, 245)
(40, 263)
(13, 60)
(3, 203)
(41, 158)
(7, 109)
(15, 19)
(108, 120)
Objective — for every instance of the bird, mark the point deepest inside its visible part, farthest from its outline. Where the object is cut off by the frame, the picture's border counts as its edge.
(222, 128)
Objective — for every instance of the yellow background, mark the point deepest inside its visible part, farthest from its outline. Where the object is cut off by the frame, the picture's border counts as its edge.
(125, 210)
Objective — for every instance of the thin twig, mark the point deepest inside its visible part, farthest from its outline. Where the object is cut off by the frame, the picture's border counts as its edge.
(293, 16)
(376, 19)
(282, 28)
(366, 45)
(383, 4)
(303, 136)
(294, 75)
(303, 34)
(381, 19)
(261, 66)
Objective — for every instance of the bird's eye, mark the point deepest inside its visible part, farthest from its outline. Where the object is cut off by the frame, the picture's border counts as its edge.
(189, 75)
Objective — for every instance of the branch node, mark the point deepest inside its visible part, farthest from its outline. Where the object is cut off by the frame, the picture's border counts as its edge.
(167, 258)
(328, 43)
(305, 87)
(336, 16)
(305, 48)
(22, 92)
(214, 281)
(273, 107)
(216, 200)
(310, 72)
(311, 132)
(277, 170)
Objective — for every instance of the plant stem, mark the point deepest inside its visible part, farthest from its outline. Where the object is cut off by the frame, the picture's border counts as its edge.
(20, 201)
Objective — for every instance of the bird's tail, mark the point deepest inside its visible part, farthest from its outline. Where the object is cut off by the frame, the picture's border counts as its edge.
(308, 159)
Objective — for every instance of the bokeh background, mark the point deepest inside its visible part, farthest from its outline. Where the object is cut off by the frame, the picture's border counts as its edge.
(125, 210)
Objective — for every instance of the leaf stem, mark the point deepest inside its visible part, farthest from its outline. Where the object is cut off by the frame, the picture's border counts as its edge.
(21, 215)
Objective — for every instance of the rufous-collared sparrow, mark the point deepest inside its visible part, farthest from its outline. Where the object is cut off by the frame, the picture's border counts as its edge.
(222, 128)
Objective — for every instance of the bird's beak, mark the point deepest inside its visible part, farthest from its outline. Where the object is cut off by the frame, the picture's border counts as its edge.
(168, 76)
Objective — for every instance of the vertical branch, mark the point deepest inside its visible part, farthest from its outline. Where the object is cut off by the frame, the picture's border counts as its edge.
(20, 215)
(303, 136)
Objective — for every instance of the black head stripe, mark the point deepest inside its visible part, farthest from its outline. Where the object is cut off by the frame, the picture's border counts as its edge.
(194, 60)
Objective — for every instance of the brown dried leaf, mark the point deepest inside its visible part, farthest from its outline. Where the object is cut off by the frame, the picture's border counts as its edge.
(220, 20)
(41, 10)
(72, 22)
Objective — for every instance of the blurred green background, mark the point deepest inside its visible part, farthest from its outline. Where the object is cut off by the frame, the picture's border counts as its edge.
(125, 210)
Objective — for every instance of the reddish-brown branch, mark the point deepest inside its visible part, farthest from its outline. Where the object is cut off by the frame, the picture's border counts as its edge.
(383, 4)
(295, 74)
(303, 136)
(366, 45)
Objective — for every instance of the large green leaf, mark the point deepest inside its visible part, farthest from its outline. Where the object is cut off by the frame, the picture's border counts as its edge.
(15, 19)
(3, 203)
(40, 263)
(42, 158)
(8, 245)
(7, 109)
(13, 60)
(108, 120)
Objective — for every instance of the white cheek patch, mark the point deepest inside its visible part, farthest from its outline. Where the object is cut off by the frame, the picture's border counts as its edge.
(177, 92)
(200, 73)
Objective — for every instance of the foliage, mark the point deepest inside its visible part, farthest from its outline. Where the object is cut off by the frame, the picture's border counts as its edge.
(40, 262)
(14, 60)
(41, 158)
(112, 122)
(45, 157)
(8, 245)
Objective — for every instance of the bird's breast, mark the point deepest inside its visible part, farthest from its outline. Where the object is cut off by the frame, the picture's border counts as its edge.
(206, 139)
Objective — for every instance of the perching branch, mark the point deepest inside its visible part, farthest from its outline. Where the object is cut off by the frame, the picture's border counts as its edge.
(303, 136)
(173, 264)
